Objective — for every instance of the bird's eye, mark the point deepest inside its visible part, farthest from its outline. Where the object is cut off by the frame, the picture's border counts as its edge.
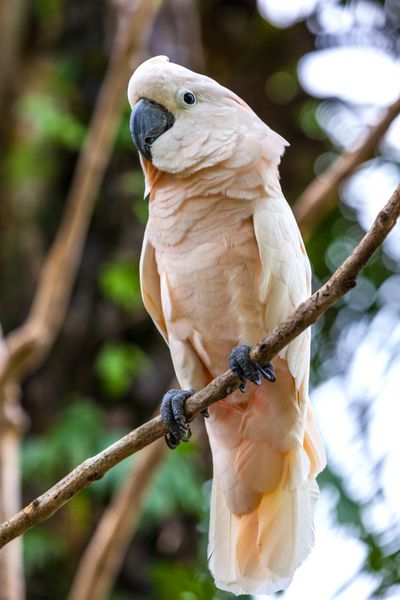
(187, 98)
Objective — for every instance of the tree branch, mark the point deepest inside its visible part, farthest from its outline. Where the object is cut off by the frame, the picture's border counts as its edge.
(305, 315)
(12, 426)
(319, 196)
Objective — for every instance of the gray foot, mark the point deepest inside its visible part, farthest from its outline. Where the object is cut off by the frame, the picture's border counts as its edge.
(242, 365)
(173, 414)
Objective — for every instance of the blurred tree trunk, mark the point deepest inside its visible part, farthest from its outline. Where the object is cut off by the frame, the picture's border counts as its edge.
(12, 425)
(13, 15)
(102, 560)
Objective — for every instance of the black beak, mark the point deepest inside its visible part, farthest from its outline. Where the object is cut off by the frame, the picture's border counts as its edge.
(148, 121)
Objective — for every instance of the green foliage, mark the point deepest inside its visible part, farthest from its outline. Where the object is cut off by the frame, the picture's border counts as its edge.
(41, 546)
(47, 124)
(177, 487)
(141, 210)
(123, 139)
(307, 120)
(133, 183)
(47, 9)
(119, 281)
(347, 511)
(28, 162)
(349, 514)
(133, 186)
(185, 583)
(117, 365)
(78, 433)
(51, 120)
(281, 87)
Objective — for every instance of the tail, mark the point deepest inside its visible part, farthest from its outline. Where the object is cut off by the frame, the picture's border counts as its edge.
(258, 552)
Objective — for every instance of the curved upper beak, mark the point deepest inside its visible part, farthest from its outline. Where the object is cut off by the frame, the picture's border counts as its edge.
(148, 121)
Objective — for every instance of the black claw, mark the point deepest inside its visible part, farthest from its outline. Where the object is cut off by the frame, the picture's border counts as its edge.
(171, 441)
(172, 412)
(187, 436)
(268, 372)
(242, 365)
(242, 387)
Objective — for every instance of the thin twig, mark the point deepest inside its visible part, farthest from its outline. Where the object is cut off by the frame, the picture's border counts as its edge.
(305, 315)
(321, 195)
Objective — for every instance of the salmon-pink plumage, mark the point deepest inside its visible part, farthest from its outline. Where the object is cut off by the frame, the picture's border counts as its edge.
(223, 262)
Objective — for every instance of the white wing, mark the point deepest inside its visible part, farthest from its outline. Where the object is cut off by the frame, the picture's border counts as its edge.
(286, 276)
(150, 286)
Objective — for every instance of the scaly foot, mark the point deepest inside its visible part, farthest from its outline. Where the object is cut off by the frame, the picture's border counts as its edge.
(173, 414)
(242, 365)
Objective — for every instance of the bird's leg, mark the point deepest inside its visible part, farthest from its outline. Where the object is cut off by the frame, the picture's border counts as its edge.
(173, 414)
(242, 365)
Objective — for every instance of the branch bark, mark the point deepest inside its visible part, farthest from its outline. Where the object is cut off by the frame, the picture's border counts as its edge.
(305, 315)
(320, 196)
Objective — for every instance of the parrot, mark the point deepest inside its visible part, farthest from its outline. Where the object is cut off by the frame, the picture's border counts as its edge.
(223, 263)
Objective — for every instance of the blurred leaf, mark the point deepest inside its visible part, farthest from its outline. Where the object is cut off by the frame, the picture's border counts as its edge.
(133, 183)
(185, 583)
(48, 8)
(41, 547)
(119, 281)
(117, 365)
(51, 120)
(123, 139)
(308, 122)
(177, 487)
(77, 434)
(28, 162)
(347, 511)
(281, 87)
(141, 210)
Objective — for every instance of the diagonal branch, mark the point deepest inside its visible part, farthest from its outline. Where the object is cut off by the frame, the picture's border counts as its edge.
(320, 195)
(305, 315)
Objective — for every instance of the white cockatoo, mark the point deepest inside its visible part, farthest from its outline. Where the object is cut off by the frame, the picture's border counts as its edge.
(223, 263)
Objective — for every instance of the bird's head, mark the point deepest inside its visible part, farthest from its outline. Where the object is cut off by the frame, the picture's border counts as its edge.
(183, 122)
